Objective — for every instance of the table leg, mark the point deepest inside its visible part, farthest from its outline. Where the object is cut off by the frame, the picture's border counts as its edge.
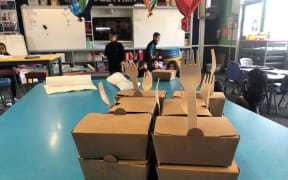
(60, 66)
(49, 67)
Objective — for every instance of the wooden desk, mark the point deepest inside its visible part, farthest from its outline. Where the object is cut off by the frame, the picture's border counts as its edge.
(36, 140)
(44, 59)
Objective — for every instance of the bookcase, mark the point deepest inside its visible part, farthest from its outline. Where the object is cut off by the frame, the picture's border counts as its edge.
(8, 17)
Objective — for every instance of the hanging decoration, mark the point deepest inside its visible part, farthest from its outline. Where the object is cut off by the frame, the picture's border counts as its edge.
(150, 5)
(81, 8)
(187, 7)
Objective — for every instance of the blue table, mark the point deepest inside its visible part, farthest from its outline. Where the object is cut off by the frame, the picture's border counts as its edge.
(36, 140)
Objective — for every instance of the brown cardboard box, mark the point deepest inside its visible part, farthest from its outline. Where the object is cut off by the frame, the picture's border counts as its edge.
(216, 105)
(150, 94)
(173, 107)
(164, 75)
(121, 170)
(135, 105)
(216, 148)
(176, 172)
(123, 136)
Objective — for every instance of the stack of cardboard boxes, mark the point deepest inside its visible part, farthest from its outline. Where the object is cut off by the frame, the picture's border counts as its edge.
(182, 156)
(118, 145)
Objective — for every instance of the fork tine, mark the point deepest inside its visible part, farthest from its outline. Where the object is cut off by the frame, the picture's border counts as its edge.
(192, 60)
(197, 63)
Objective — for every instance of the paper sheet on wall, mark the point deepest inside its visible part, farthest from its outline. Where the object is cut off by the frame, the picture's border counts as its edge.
(58, 84)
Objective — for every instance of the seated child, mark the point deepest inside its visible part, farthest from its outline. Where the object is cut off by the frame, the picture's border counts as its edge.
(155, 64)
(3, 51)
(254, 91)
(172, 65)
(143, 68)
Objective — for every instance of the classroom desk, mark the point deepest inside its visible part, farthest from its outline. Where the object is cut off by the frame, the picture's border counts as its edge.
(44, 59)
(36, 140)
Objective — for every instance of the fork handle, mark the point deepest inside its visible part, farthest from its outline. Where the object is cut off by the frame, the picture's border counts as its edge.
(192, 110)
(136, 87)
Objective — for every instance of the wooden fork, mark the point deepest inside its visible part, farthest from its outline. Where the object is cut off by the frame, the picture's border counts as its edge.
(206, 88)
(103, 95)
(132, 71)
(191, 78)
(147, 81)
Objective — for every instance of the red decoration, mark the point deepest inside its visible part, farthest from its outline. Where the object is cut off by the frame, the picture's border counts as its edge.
(187, 7)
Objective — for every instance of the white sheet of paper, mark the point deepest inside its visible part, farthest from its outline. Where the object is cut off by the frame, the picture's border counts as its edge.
(119, 80)
(58, 84)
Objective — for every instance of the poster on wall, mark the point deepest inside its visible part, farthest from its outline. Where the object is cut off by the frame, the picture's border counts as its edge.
(252, 19)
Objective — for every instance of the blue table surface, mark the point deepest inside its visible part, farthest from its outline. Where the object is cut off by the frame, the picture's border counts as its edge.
(36, 140)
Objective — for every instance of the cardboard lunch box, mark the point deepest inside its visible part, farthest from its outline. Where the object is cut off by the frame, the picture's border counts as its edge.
(178, 172)
(216, 104)
(135, 105)
(163, 75)
(149, 94)
(173, 107)
(125, 137)
(122, 170)
(173, 146)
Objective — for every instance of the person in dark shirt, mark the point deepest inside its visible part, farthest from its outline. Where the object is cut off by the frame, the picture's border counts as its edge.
(149, 53)
(3, 51)
(114, 52)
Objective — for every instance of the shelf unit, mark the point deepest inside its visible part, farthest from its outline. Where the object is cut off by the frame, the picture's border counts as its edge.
(265, 53)
(8, 17)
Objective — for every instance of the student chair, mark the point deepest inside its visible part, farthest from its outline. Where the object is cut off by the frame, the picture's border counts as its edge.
(280, 89)
(4, 73)
(246, 62)
(234, 76)
(31, 76)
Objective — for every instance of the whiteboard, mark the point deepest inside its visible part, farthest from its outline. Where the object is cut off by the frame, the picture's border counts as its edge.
(165, 21)
(63, 30)
(15, 44)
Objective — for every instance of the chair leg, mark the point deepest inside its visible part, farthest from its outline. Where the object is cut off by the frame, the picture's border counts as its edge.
(281, 100)
(275, 103)
(3, 102)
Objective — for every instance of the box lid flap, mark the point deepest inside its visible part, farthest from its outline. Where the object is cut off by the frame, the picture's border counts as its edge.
(230, 169)
(218, 95)
(211, 126)
(114, 124)
(173, 107)
(130, 93)
(135, 105)
(164, 71)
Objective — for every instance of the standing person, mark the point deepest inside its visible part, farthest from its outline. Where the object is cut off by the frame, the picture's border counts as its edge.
(114, 52)
(149, 54)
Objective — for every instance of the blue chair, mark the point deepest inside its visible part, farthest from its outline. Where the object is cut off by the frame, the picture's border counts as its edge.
(5, 84)
(234, 76)
(280, 89)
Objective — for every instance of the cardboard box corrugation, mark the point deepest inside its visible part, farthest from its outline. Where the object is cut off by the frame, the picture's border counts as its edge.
(216, 148)
(216, 105)
(178, 172)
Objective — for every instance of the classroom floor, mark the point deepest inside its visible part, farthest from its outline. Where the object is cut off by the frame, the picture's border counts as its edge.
(281, 117)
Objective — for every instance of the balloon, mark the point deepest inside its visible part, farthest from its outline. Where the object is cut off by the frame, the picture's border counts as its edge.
(186, 7)
(150, 3)
(81, 8)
